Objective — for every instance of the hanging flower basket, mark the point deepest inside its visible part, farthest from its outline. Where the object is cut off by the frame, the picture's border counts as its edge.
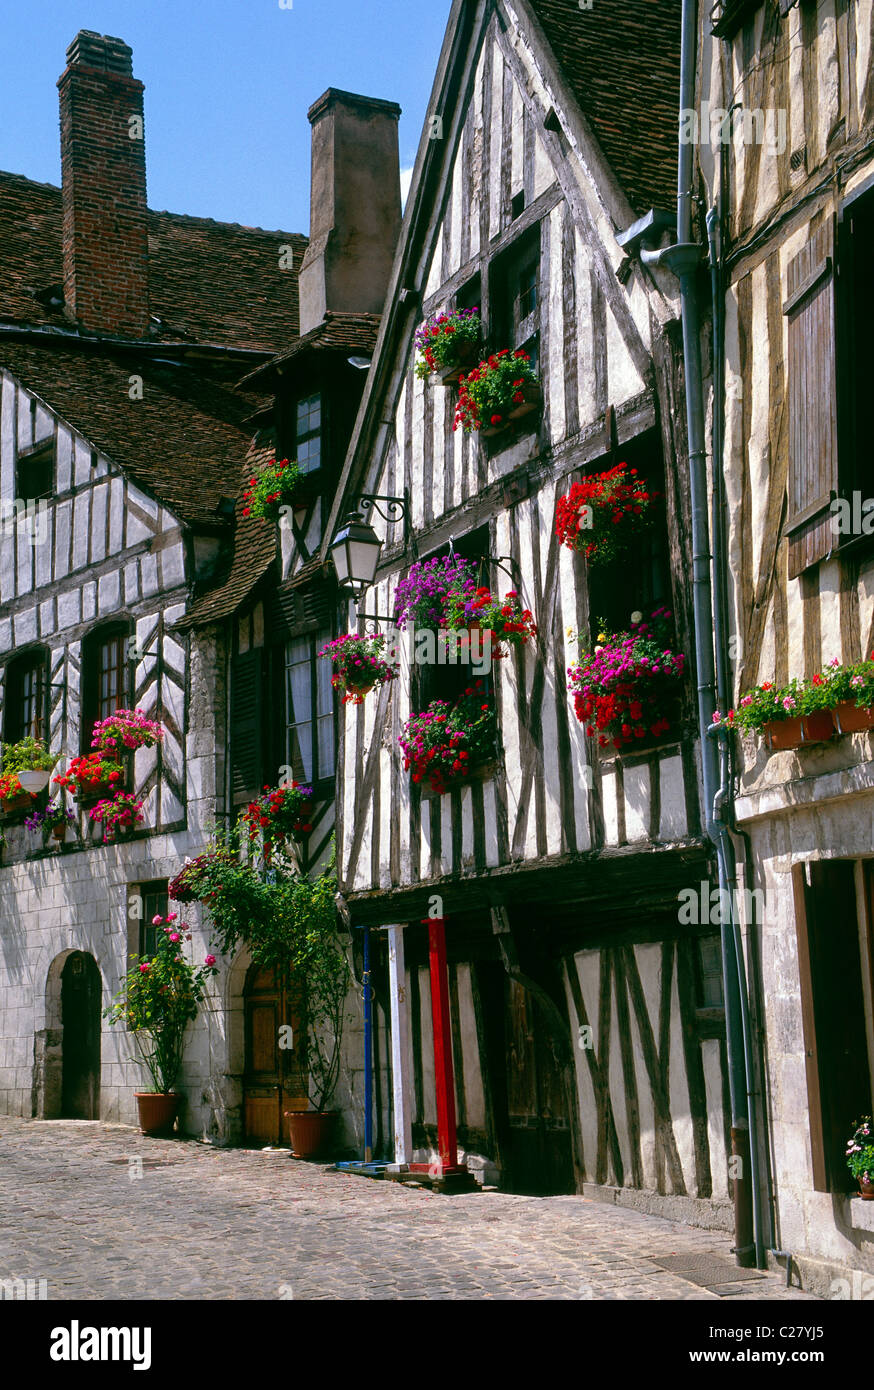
(475, 609)
(359, 665)
(422, 595)
(604, 513)
(279, 812)
(26, 768)
(446, 743)
(12, 797)
(627, 688)
(273, 487)
(488, 395)
(447, 345)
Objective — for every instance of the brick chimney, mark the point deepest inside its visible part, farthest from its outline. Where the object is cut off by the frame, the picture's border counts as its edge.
(355, 206)
(103, 177)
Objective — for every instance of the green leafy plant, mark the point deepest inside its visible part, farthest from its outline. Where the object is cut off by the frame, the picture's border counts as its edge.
(446, 741)
(444, 340)
(488, 394)
(273, 487)
(860, 1150)
(760, 706)
(159, 998)
(28, 755)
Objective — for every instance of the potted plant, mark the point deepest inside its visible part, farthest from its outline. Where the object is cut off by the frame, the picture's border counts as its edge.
(468, 607)
(90, 776)
(816, 701)
(771, 711)
(159, 998)
(55, 819)
(860, 1156)
(421, 596)
(500, 390)
(601, 515)
(447, 343)
(445, 743)
(281, 812)
(628, 686)
(118, 814)
(359, 665)
(31, 762)
(853, 693)
(125, 729)
(273, 487)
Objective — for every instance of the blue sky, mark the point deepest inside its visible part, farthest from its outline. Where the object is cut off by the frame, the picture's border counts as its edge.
(228, 83)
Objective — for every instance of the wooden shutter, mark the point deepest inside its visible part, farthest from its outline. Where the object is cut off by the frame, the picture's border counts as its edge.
(813, 435)
(832, 1014)
(247, 714)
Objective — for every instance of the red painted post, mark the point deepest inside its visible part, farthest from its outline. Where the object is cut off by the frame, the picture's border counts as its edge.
(443, 1072)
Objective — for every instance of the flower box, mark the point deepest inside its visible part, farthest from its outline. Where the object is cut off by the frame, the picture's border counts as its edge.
(818, 727)
(452, 373)
(13, 804)
(850, 719)
(783, 733)
(533, 401)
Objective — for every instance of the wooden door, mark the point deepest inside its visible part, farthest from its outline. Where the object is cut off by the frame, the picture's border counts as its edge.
(538, 1151)
(274, 1078)
(80, 1045)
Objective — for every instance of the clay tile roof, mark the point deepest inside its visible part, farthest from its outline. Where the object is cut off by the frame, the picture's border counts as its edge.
(209, 282)
(253, 551)
(182, 442)
(622, 61)
(338, 332)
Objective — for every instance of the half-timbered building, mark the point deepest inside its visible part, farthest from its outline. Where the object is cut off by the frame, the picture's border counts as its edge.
(582, 1019)
(785, 162)
(124, 440)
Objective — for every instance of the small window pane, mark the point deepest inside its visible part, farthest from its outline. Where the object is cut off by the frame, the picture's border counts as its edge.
(156, 903)
(710, 958)
(308, 444)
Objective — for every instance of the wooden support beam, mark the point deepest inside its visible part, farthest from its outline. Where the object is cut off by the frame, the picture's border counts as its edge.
(443, 1071)
(401, 1080)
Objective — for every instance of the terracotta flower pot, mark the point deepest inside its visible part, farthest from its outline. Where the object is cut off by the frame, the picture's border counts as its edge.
(157, 1110)
(783, 733)
(310, 1131)
(59, 832)
(867, 1190)
(818, 727)
(852, 720)
(20, 802)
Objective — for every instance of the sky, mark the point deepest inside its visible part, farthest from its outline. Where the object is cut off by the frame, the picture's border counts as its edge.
(228, 84)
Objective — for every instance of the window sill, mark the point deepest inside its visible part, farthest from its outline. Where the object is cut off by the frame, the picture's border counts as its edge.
(856, 1214)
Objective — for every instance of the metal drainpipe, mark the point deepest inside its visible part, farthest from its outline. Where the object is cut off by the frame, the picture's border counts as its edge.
(682, 259)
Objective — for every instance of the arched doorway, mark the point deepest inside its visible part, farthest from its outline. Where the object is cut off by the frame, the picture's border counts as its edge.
(80, 1043)
(274, 1076)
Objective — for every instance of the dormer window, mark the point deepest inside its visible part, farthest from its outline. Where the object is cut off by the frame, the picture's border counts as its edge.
(308, 433)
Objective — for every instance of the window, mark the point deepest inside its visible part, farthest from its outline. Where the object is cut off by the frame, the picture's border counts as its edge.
(447, 678)
(640, 579)
(35, 472)
(308, 433)
(27, 689)
(515, 292)
(107, 677)
(309, 705)
(709, 972)
(155, 903)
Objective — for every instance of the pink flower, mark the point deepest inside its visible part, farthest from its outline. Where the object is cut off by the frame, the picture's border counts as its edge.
(144, 969)
(174, 936)
(209, 960)
(156, 921)
(171, 916)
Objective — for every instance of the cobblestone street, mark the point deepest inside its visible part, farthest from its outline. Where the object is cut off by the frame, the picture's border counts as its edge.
(206, 1223)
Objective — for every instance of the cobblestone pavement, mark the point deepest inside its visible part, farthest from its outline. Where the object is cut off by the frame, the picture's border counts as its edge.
(206, 1223)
